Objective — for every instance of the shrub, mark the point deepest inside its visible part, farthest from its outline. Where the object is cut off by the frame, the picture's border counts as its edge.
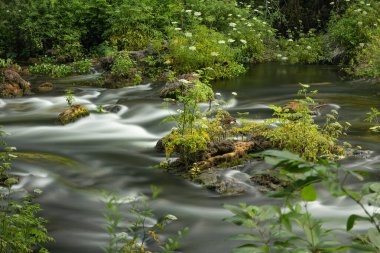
(202, 48)
(122, 65)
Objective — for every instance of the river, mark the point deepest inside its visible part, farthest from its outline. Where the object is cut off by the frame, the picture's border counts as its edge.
(115, 152)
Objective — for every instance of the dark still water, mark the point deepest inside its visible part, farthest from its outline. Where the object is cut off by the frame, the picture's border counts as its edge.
(73, 164)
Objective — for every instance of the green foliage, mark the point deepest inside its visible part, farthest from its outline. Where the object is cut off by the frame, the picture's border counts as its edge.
(81, 67)
(69, 96)
(357, 33)
(134, 238)
(310, 49)
(275, 229)
(122, 65)
(374, 116)
(49, 68)
(294, 125)
(21, 229)
(190, 135)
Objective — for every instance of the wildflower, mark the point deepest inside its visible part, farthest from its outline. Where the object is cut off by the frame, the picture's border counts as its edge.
(188, 34)
(197, 13)
(243, 41)
(231, 40)
(188, 11)
(218, 94)
(232, 24)
(242, 19)
(174, 128)
(221, 41)
(290, 40)
(239, 15)
(234, 93)
(174, 22)
(192, 48)
(249, 24)
(234, 29)
(214, 54)
(360, 23)
(180, 111)
(230, 15)
(308, 47)
(284, 58)
(177, 29)
(279, 55)
(332, 3)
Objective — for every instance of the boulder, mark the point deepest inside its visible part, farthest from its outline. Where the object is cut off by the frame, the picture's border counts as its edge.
(72, 114)
(43, 88)
(14, 85)
(173, 89)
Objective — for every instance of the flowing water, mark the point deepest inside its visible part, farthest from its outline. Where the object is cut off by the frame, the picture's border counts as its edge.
(73, 164)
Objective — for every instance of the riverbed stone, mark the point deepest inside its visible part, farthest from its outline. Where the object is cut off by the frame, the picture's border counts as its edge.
(173, 89)
(14, 85)
(72, 114)
(44, 88)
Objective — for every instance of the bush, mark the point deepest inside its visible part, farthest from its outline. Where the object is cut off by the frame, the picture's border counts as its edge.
(122, 65)
(310, 49)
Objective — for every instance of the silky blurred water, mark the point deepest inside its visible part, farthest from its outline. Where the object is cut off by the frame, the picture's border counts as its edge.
(115, 152)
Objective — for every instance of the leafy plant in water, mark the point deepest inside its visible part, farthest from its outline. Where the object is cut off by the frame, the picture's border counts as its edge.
(69, 96)
(373, 117)
(275, 232)
(21, 229)
(140, 230)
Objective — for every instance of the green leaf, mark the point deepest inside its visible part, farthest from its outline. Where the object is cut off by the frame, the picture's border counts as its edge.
(10, 181)
(247, 248)
(375, 187)
(244, 237)
(374, 237)
(352, 219)
(308, 193)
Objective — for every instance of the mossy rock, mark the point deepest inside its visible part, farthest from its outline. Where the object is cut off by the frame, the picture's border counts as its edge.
(73, 114)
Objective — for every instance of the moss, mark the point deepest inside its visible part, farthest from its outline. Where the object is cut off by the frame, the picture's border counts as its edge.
(72, 114)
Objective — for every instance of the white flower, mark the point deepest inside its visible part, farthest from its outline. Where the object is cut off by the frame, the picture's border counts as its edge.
(174, 22)
(279, 55)
(230, 15)
(197, 13)
(308, 47)
(232, 24)
(332, 3)
(221, 41)
(177, 29)
(183, 81)
(234, 29)
(188, 34)
(360, 23)
(290, 40)
(231, 40)
(234, 93)
(249, 24)
(284, 58)
(174, 128)
(192, 48)
(188, 11)
(243, 41)
(218, 94)
(214, 54)
(242, 19)
(238, 15)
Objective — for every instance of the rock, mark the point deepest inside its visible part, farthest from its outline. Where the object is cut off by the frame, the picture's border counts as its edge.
(261, 144)
(10, 90)
(267, 182)
(14, 85)
(106, 62)
(221, 148)
(72, 114)
(160, 148)
(112, 108)
(222, 182)
(173, 89)
(45, 87)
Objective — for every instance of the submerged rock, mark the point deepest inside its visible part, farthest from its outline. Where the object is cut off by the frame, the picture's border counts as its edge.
(44, 88)
(72, 114)
(14, 85)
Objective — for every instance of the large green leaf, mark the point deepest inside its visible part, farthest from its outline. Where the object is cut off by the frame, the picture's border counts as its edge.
(309, 193)
(352, 219)
(374, 237)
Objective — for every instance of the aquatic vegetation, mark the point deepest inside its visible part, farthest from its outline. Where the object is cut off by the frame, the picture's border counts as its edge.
(61, 70)
(290, 226)
(22, 230)
(374, 117)
(141, 234)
